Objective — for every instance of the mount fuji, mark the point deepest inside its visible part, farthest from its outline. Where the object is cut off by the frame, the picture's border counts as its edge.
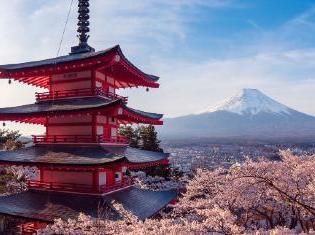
(248, 114)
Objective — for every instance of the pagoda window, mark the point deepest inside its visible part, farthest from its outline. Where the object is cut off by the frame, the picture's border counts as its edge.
(113, 132)
(102, 178)
(112, 120)
(118, 176)
(100, 130)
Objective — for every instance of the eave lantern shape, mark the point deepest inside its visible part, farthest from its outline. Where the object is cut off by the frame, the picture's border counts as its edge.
(81, 158)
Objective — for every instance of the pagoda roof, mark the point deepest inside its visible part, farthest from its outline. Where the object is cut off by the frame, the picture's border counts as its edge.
(68, 155)
(59, 105)
(37, 112)
(38, 72)
(47, 206)
(56, 60)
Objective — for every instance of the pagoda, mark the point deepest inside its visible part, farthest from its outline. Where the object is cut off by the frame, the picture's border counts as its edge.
(81, 159)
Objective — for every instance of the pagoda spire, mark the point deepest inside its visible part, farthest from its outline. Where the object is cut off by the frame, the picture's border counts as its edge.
(83, 28)
(84, 22)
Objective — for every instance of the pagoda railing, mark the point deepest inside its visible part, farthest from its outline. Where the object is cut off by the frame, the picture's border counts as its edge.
(118, 185)
(44, 96)
(81, 188)
(55, 139)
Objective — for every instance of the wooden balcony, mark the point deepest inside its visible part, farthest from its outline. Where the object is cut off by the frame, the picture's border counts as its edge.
(44, 96)
(77, 139)
(80, 188)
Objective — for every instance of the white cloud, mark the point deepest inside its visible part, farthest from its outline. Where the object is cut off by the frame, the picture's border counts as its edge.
(189, 88)
(31, 30)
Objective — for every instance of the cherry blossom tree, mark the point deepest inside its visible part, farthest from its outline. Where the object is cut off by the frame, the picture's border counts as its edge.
(13, 179)
(262, 194)
(157, 183)
(256, 197)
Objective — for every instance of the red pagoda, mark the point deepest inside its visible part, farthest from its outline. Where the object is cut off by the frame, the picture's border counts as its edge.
(81, 158)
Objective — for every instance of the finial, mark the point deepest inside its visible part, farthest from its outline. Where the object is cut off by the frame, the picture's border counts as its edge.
(84, 22)
(83, 28)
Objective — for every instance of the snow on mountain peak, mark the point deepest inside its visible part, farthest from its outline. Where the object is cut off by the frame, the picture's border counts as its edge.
(252, 102)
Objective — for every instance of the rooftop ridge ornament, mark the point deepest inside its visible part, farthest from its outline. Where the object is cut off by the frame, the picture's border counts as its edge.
(83, 28)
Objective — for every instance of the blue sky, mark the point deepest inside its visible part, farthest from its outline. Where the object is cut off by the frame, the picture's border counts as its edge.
(204, 50)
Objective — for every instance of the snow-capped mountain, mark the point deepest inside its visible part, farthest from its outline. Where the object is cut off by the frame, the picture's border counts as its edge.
(251, 102)
(249, 113)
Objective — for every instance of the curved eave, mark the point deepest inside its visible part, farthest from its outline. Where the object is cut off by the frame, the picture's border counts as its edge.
(38, 112)
(38, 73)
(138, 116)
(149, 163)
(148, 80)
(138, 158)
(61, 165)
(101, 163)
(61, 156)
(82, 157)
(47, 206)
(137, 166)
(62, 111)
(35, 114)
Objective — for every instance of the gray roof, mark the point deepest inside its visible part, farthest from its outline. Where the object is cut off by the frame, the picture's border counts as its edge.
(141, 156)
(78, 155)
(145, 114)
(70, 105)
(59, 105)
(47, 206)
(70, 58)
(142, 203)
(57, 60)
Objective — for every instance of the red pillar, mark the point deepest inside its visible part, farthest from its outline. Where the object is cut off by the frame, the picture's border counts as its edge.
(41, 175)
(96, 180)
(110, 180)
(94, 127)
(93, 81)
